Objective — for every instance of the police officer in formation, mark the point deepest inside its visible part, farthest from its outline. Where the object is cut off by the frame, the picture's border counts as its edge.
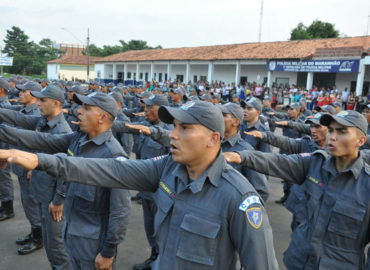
(201, 207)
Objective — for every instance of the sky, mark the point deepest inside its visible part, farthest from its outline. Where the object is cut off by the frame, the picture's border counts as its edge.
(180, 23)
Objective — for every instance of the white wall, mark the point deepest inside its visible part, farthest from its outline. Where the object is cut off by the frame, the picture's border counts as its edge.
(343, 80)
(198, 70)
(292, 76)
(99, 68)
(225, 73)
(52, 72)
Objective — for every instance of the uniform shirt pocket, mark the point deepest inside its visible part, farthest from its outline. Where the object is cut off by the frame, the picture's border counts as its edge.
(346, 219)
(203, 234)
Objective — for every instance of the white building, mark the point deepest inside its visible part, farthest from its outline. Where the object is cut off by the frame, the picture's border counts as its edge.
(343, 62)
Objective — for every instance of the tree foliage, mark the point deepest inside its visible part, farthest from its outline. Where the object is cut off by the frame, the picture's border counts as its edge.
(317, 29)
(123, 47)
(28, 57)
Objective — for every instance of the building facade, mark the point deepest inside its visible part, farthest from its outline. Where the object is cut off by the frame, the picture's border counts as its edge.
(343, 62)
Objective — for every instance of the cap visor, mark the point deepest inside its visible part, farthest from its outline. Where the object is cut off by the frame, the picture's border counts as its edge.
(326, 119)
(148, 101)
(37, 94)
(167, 115)
(81, 99)
(20, 87)
(312, 121)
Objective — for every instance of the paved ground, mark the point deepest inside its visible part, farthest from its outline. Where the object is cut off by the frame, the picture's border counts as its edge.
(134, 249)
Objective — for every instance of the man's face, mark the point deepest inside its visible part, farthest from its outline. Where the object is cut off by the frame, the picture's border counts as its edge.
(46, 106)
(251, 114)
(89, 117)
(266, 103)
(342, 141)
(339, 108)
(318, 132)
(44, 84)
(151, 113)
(25, 96)
(293, 113)
(230, 122)
(12, 84)
(366, 113)
(176, 97)
(70, 95)
(189, 142)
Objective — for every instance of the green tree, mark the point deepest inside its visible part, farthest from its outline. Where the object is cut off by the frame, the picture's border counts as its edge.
(123, 47)
(317, 29)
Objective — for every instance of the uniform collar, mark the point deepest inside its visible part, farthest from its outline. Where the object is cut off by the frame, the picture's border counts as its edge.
(55, 120)
(4, 98)
(355, 168)
(233, 140)
(255, 125)
(213, 174)
(98, 140)
(30, 108)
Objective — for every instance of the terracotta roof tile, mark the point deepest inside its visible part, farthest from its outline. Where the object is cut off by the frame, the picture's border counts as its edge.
(297, 49)
(75, 60)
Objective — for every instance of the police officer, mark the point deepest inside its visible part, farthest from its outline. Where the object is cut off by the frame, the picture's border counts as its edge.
(125, 139)
(177, 97)
(149, 149)
(232, 141)
(207, 211)
(95, 217)
(71, 109)
(252, 112)
(48, 191)
(336, 229)
(32, 241)
(6, 182)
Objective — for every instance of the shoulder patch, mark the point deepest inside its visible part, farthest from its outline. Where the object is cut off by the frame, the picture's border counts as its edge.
(305, 154)
(255, 217)
(158, 158)
(322, 153)
(252, 199)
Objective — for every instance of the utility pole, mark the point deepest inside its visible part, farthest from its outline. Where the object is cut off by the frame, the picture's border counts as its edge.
(88, 55)
(1, 67)
(260, 28)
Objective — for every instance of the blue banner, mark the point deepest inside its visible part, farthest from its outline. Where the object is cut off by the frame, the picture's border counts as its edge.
(313, 65)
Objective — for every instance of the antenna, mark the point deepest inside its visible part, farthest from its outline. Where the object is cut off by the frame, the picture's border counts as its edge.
(261, 16)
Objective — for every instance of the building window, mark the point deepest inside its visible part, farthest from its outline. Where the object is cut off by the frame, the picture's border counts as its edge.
(134, 76)
(141, 76)
(203, 78)
(195, 78)
(165, 77)
(128, 75)
(283, 81)
(98, 74)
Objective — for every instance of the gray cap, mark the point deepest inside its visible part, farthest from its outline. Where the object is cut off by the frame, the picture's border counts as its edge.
(145, 94)
(14, 80)
(117, 89)
(160, 100)
(252, 103)
(51, 91)
(4, 84)
(347, 119)
(315, 119)
(179, 91)
(294, 106)
(117, 96)
(337, 104)
(77, 89)
(234, 109)
(267, 98)
(102, 100)
(32, 86)
(195, 112)
(206, 97)
(326, 108)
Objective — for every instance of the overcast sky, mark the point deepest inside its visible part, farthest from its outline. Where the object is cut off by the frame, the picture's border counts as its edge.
(172, 23)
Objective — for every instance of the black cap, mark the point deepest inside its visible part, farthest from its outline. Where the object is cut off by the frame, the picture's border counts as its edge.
(32, 86)
(4, 84)
(195, 112)
(347, 119)
(160, 100)
(52, 91)
(102, 100)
